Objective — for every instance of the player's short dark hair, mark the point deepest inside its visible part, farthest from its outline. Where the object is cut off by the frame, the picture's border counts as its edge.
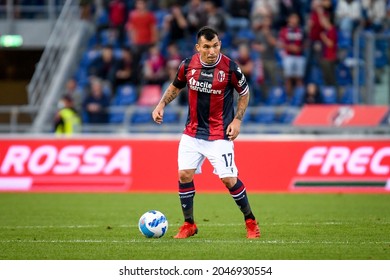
(208, 33)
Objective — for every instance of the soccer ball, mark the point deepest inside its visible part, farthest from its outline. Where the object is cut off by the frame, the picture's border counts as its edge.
(153, 224)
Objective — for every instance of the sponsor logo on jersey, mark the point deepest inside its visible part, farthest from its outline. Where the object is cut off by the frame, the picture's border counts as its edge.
(206, 74)
(203, 86)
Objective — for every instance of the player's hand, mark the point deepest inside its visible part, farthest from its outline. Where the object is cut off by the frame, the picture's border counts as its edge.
(158, 114)
(233, 129)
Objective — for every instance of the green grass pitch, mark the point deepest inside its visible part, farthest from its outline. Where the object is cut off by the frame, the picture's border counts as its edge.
(104, 226)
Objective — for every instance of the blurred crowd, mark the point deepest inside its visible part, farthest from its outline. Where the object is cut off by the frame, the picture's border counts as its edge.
(284, 44)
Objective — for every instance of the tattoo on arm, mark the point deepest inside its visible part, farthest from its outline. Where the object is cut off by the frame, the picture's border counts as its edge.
(241, 106)
(170, 94)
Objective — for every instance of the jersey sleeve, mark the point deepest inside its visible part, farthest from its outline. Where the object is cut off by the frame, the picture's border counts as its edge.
(180, 80)
(238, 80)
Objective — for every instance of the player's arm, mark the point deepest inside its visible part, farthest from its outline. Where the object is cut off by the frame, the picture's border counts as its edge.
(242, 104)
(241, 86)
(169, 95)
(235, 126)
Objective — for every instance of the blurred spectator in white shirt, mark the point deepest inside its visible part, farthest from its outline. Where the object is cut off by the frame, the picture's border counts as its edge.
(375, 14)
(348, 15)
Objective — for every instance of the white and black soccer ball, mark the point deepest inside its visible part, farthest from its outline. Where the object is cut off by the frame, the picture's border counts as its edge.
(153, 224)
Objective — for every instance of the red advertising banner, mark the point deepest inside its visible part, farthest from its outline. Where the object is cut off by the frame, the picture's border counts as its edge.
(337, 115)
(150, 165)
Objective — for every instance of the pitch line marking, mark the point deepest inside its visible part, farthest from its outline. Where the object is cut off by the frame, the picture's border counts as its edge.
(199, 224)
(198, 241)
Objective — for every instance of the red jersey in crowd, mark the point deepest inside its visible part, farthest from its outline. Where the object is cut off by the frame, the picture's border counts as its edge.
(292, 36)
(330, 53)
(142, 24)
(117, 12)
(210, 95)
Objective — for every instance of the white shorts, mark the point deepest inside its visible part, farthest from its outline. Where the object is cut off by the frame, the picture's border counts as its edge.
(220, 153)
(294, 66)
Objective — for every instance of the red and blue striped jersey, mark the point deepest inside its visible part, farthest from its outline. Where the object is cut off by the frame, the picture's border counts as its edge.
(210, 95)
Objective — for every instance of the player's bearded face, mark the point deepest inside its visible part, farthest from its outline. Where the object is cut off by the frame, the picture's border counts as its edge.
(209, 50)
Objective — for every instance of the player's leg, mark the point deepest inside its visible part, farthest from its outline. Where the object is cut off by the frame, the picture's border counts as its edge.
(187, 193)
(190, 162)
(238, 192)
(221, 156)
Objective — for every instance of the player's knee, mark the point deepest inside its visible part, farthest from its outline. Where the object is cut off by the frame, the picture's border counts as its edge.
(186, 176)
(229, 182)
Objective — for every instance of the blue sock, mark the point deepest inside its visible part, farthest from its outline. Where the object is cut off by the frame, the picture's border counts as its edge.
(186, 194)
(238, 192)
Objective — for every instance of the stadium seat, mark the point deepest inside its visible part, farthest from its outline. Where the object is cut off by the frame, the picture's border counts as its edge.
(298, 96)
(348, 96)
(171, 116)
(264, 117)
(244, 35)
(102, 18)
(116, 117)
(343, 75)
(160, 16)
(276, 96)
(88, 57)
(381, 49)
(344, 41)
(287, 117)
(315, 75)
(328, 94)
(81, 77)
(125, 95)
(109, 37)
(247, 117)
(150, 95)
(141, 116)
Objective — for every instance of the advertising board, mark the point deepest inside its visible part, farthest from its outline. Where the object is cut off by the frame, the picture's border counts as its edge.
(150, 165)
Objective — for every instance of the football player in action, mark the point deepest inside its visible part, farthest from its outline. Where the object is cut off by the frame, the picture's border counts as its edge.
(212, 125)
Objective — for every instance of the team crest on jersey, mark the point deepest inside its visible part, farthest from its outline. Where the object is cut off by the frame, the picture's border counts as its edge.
(221, 76)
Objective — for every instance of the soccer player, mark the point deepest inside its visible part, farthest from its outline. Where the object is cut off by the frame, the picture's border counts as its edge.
(211, 126)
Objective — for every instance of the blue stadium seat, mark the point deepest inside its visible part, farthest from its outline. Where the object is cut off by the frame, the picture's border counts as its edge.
(328, 94)
(88, 57)
(298, 96)
(102, 18)
(244, 34)
(141, 117)
(125, 95)
(343, 75)
(116, 117)
(315, 75)
(171, 116)
(344, 41)
(160, 15)
(381, 49)
(81, 77)
(264, 117)
(109, 37)
(348, 96)
(287, 117)
(276, 96)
